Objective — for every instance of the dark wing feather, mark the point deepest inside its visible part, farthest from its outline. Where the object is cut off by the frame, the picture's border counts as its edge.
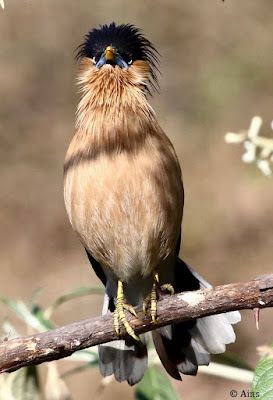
(189, 344)
(97, 268)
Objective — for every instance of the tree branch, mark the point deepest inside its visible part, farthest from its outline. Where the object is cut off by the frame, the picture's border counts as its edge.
(62, 342)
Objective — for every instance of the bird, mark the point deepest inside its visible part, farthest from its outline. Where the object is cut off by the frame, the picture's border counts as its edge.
(124, 197)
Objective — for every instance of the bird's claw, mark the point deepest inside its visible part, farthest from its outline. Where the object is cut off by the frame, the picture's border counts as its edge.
(119, 314)
(152, 297)
(168, 287)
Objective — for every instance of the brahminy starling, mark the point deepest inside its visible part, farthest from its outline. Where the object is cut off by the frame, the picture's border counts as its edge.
(124, 197)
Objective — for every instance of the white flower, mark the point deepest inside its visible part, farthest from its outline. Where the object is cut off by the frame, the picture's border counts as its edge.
(264, 166)
(250, 155)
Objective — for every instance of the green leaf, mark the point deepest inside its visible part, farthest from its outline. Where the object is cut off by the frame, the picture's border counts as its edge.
(262, 384)
(232, 359)
(45, 323)
(32, 384)
(32, 319)
(21, 385)
(80, 368)
(155, 385)
(73, 294)
(55, 387)
(89, 356)
(34, 298)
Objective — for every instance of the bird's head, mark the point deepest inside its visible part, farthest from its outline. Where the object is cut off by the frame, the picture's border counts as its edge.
(122, 48)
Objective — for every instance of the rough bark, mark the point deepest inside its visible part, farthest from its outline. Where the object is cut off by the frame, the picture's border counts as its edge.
(64, 341)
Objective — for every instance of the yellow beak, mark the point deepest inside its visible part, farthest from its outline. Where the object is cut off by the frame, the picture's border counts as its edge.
(109, 54)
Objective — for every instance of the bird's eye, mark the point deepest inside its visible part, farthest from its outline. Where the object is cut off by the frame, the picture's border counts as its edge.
(127, 57)
(95, 60)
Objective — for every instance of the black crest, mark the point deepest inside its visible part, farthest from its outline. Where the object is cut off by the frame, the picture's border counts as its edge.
(126, 39)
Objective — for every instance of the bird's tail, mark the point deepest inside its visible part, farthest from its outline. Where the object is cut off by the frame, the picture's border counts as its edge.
(126, 359)
(181, 347)
(186, 345)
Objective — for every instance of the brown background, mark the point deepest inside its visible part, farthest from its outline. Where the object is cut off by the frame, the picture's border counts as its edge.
(216, 74)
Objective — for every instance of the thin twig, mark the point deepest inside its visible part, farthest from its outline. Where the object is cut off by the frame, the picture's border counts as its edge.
(64, 341)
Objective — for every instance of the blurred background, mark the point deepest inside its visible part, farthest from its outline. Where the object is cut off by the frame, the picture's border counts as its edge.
(216, 69)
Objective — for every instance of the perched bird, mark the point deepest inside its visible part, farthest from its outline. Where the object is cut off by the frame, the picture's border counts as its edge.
(124, 197)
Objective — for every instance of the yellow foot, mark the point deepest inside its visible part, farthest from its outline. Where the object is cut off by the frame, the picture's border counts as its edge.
(119, 315)
(168, 287)
(152, 297)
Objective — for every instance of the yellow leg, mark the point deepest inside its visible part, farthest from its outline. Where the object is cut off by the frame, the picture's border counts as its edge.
(119, 312)
(155, 274)
(152, 297)
(145, 303)
(148, 299)
(153, 303)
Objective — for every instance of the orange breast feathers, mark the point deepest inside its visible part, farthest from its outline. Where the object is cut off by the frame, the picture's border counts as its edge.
(123, 187)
